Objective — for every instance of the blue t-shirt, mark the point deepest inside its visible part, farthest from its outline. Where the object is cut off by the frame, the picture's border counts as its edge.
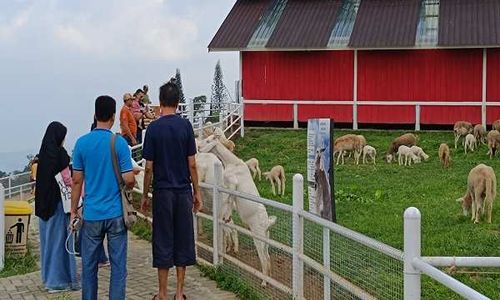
(168, 143)
(92, 156)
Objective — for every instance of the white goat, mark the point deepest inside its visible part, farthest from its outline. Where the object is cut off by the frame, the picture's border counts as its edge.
(470, 142)
(406, 153)
(253, 165)
(277, 174)
(370, 152)
(419, 152)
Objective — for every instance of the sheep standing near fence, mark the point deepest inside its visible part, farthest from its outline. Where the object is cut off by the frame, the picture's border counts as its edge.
(345, 143)
(408, 139)
(369, 151)
(480, 134)
(493, 139)
(277, 175)
(461, 129)
(470, 142)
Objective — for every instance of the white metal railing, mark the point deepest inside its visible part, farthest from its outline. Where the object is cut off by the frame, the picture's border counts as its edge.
(355, 104)
(415, 265)
(2, 227)
(18, 186)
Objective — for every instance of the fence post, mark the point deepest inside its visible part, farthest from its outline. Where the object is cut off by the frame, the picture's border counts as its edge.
(21, 192)
(295, 115)
(217, 230)
(10, 187)
(417, 117)
(191, 111)
(2, 227)
(326, 263)
(412, 246)
(297, 226)
(242, 119)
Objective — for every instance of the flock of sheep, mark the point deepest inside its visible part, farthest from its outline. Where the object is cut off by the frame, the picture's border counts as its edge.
(481, 182)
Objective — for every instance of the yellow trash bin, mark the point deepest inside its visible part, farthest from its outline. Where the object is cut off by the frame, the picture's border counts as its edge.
(17, 222)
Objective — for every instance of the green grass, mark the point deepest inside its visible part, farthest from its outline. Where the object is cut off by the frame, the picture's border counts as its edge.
(15, 265)
(372, 199)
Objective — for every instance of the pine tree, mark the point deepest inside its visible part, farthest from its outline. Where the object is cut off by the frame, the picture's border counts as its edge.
(218, 91)
(178, 81)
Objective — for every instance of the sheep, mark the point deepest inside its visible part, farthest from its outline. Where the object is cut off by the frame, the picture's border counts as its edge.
(470, 142)
(419, 152)
(277, 174)
(219, 134)
(493, 139)
(348, 142)
(362, 143)
(253, 165)
(444, 155)
(461, 129)
(406, 153)
(208, 130)
(370, 151)
(480, 134)
(481, 192)
(408, 139)
(496, 125)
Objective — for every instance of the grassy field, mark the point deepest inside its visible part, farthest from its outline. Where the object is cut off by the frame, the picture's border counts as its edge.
(19, 266)
(371, 199)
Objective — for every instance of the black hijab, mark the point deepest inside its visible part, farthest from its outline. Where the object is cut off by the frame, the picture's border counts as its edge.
(52, 159)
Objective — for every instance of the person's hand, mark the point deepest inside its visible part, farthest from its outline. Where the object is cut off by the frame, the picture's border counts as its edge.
(197, 202)
(134, 141)
(74, 215)
(145, 203)
(136, 170)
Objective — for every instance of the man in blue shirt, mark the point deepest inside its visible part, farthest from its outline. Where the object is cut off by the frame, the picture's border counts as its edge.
(169, 150)
(102, 208)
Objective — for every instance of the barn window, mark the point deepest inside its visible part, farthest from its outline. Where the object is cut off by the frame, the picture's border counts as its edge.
(344, 24)
(427, 30)
(267, 24)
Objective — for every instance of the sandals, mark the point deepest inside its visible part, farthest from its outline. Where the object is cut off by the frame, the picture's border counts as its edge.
(183, 296)
(156, 297)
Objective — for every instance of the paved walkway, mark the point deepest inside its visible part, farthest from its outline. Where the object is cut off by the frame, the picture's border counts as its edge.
(141, 282)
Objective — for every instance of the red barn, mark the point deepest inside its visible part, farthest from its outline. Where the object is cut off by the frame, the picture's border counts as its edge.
(367, 61)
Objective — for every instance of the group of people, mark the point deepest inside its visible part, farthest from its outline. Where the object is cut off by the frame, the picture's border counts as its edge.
(169, 150)
(134, 115)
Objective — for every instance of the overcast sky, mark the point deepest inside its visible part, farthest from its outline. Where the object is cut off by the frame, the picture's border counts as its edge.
(57, 56)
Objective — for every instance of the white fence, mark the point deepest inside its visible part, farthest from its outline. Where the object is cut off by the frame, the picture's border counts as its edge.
(18, 186)
(416, 104)
(313, 258)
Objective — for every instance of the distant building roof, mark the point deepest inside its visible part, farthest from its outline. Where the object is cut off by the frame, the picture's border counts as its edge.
(347, 24)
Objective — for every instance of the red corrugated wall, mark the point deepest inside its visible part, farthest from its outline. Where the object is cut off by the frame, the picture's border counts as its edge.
(493, 84)
(411, 75)
(315, 75)
(419, 75)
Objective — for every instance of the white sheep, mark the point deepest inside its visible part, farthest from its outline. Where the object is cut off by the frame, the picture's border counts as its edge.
(253, 165)
(470, 142)
(371, 152)
(277, 174)
(419, 152)
(406, 153)
(219, 134)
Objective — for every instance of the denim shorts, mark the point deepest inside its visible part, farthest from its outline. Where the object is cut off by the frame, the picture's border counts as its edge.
(173, 232)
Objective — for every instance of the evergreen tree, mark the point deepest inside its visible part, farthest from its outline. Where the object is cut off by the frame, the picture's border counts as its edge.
(218, 91)
(178, 81)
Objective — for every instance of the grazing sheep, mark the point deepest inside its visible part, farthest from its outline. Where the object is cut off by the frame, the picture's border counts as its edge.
(371, 152)
(480, 134)
(348, 142)
(470, 142)
(277, 174)
(481, 192)
(496, 125)
(219, 134)
(208, 130)
(493, 139)
(419, 152)
(461, 129)
(407, 139)
(253, 165)
(406, 153)
(444, 155)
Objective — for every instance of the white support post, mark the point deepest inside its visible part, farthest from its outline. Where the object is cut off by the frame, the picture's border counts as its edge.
(417, 117)
(21, 193)
(355, 93)
(326, 263)
(298, 230)
(10, 187)
(484, 87)
(191, 111)
(2, 227)
(295, 115)
(412, 246)
(217, 230)
(242, 119)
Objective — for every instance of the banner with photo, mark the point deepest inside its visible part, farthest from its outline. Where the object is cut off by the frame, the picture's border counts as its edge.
(320, 168)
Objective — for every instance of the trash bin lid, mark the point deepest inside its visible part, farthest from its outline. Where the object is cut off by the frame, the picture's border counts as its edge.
(17, 208)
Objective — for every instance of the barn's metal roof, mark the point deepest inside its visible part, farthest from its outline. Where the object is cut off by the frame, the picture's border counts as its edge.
(469, 23)
(359, 24)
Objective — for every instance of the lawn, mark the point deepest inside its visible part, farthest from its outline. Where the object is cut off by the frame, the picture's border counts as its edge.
(15, 265)
(372, 199)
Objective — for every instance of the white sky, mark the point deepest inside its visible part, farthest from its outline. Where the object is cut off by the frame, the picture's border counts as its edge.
(57, 56)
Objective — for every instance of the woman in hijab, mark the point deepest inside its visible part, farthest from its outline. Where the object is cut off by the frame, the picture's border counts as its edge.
(58, 267)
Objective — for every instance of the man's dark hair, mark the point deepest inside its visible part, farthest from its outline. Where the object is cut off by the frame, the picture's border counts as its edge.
(169, 94)
(137, 92)
(105, 108)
